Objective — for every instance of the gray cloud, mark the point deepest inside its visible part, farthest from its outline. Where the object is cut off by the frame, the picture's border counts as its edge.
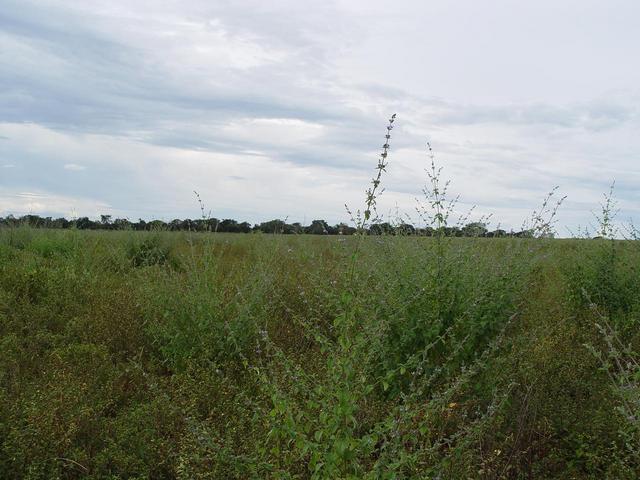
(131, 105)
(596, 115)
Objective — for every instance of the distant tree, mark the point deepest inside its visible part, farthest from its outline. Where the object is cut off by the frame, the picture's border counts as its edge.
(9, 221)
(317, 227)
(121, 224)
(288, 229)
(175, 225)
(244, 227)
(62, 223)
(212, 224)
(156, 225)
(272, 226)
(474, 229)
(344, 229)
(83, 223)
(405, 229)
(297, 228)
(449, 231)
(524, 234)
(425, 232)
(383, 228)
(199, 225)
(497, 233)
(34, 221)
(332, 229)
(228, 225)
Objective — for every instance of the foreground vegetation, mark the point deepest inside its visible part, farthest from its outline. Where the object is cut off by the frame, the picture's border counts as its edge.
(413, 353)
(196, 355)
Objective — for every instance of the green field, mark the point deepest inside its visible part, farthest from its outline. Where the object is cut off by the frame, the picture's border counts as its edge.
(194, 355)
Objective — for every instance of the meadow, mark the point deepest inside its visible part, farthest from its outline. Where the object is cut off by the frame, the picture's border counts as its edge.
(207, 355)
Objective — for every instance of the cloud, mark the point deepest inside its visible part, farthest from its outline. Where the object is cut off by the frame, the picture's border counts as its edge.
(592, 116)
(14, 202)
(74, 167)
(140, 179)
(278, 108)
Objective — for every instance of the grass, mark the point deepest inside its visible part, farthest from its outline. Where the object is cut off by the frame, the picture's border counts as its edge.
(176, 355)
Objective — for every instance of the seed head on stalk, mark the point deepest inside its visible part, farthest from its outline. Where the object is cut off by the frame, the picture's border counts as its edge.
(373, 192)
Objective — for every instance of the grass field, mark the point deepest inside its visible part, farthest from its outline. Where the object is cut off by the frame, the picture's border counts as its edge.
(178, 355)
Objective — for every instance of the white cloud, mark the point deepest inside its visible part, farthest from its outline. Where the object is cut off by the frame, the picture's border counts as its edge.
(278, 108)
(45, 203)
(74, 167)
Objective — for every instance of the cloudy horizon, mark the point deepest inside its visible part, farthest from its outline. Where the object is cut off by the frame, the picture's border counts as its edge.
(274, 110)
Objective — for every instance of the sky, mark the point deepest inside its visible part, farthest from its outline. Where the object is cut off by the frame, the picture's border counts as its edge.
(278, 109)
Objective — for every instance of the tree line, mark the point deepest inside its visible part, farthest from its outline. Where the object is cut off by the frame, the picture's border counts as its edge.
(316, 227)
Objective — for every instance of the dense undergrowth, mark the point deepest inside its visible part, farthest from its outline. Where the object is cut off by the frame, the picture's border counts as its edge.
(177, 355)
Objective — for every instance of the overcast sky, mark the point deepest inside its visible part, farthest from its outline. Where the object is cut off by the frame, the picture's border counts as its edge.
(277, 109)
